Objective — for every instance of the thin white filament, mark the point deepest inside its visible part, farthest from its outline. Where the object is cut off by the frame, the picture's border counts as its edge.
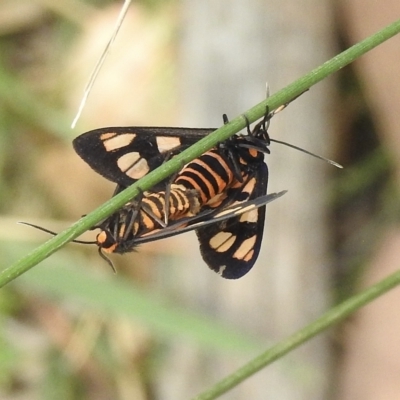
(100, 62)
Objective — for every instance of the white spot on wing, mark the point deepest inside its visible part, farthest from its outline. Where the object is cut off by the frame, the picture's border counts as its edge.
(221, 269)
(250, 216)
(117, 141)
(222, 241)
(138, 170)
(133, 165)
(246, 247)
(166, 143)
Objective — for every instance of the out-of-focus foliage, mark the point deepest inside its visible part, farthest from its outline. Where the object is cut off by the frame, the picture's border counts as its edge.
(70, 329)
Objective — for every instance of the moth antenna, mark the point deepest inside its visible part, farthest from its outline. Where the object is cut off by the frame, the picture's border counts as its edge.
(102, 255)
(337, 165)
(40, 228)
(267, 120)
(107, 260)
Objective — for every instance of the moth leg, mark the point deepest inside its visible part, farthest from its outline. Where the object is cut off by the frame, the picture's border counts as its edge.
(132, 218)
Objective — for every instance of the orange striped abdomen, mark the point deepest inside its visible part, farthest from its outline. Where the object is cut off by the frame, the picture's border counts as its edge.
(210, 175)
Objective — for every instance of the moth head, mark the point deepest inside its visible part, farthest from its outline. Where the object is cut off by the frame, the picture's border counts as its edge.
(103, 241)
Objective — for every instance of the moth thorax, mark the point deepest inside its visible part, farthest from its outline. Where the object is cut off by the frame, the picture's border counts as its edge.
(248, 156)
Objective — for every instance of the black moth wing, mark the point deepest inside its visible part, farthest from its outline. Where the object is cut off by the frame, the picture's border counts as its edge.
(231, 247)
(125, 154)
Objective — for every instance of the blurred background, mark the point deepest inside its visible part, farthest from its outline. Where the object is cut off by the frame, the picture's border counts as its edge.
(166, 327)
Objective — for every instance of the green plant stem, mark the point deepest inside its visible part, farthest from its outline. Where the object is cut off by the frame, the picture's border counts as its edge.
(221, 134)
(333, 316)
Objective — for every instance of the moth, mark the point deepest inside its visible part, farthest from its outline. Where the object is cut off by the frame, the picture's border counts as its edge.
(221, 194)
(230, 176)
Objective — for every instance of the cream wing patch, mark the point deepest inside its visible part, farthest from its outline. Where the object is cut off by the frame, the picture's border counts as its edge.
(133, 165)
(222, 241)
(166, 143)
(249, 187)
(112, 142)
(250, 216)
(245, 250)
